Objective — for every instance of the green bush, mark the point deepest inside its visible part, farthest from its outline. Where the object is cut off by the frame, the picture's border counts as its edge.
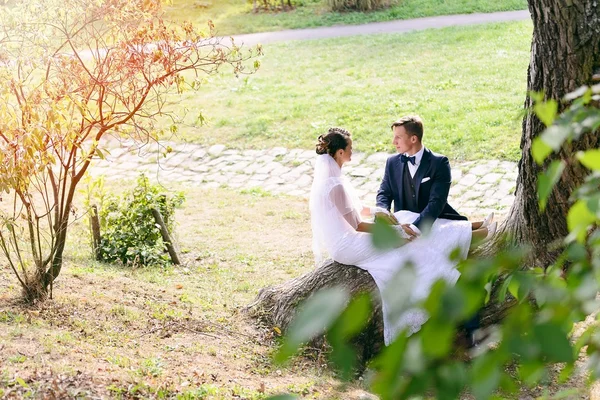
(129, 232)
(360, 5)
(275, 5)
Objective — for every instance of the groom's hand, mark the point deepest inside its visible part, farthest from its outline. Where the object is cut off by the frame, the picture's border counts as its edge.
(413, 235)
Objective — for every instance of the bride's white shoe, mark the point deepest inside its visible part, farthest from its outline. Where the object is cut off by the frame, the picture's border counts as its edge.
(487, 221)
(491, 231)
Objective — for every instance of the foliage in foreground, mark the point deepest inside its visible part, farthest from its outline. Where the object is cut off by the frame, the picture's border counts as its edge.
(129, 232)
(535, 343)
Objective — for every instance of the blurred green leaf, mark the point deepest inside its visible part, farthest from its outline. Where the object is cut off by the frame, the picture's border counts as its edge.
(344, 358)
(486, 376)
(354, 317)
(384, 236)
(282, 397)
(513, 288)
(553, 342)
(349, 323)
(438, 338)
(316, 315)
(508, 384)
(432, 304)
(590, 159)
(452, 379)
(566, 373)
(532, 372)
(546, 111)
(389, 378)
(547, 180)
(540, 150)
(537, 97)
(555, 135)
(577, 252)
(504, 288)
(579, 219)
(593, 204)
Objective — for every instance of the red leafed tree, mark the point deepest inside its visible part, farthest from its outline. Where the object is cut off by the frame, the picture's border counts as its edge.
(73, 72)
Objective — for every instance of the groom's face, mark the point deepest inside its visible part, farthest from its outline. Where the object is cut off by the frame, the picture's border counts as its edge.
(403, 142)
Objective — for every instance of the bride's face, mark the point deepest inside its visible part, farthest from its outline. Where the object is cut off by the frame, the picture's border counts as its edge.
(345, 155)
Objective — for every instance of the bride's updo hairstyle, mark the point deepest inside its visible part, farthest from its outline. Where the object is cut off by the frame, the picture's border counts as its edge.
(335, 139)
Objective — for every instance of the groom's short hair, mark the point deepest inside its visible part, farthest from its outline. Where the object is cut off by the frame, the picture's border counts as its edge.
(413, 125)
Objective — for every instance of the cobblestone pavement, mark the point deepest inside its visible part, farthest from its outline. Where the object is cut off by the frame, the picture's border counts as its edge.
(478, 187)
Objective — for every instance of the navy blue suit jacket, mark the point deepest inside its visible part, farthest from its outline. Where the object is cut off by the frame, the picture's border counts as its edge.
(432, 194)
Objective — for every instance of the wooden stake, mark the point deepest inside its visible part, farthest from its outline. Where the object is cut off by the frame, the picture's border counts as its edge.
(166, 237)
(95, 222)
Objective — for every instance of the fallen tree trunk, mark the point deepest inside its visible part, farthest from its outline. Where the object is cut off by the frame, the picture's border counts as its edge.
(276, 305)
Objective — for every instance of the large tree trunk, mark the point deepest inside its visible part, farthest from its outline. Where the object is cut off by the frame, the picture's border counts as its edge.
(565, 52)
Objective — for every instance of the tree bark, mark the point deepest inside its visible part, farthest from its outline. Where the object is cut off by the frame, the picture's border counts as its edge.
(565, 51)
(276, 306)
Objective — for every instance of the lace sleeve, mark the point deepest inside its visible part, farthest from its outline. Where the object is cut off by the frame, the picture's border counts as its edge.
(344, 205)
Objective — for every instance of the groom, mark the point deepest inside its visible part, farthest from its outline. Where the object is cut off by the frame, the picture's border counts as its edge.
(416, 179)
(419, 180)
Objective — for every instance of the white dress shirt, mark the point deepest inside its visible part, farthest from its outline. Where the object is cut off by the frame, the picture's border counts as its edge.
(418, 156)
(413, 170)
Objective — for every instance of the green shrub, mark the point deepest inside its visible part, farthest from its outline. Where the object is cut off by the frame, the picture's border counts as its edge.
(129, 232)
(360, 5)
(275, 5)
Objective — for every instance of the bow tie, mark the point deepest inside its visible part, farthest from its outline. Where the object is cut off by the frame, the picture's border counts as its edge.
(406, 159)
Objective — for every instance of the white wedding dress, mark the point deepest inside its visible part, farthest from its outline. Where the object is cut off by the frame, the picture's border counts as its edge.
(335, 214)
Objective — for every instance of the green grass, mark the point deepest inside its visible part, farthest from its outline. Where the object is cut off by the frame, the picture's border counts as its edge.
(235, 16)
(468, 84)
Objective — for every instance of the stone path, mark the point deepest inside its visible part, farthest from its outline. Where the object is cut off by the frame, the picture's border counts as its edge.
(406, 25)
(478, 187)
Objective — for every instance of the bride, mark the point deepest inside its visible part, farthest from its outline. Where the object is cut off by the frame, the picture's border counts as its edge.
(340, 233)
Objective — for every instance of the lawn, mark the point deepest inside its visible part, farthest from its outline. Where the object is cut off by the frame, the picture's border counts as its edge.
(468, 84)
(235, 16)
